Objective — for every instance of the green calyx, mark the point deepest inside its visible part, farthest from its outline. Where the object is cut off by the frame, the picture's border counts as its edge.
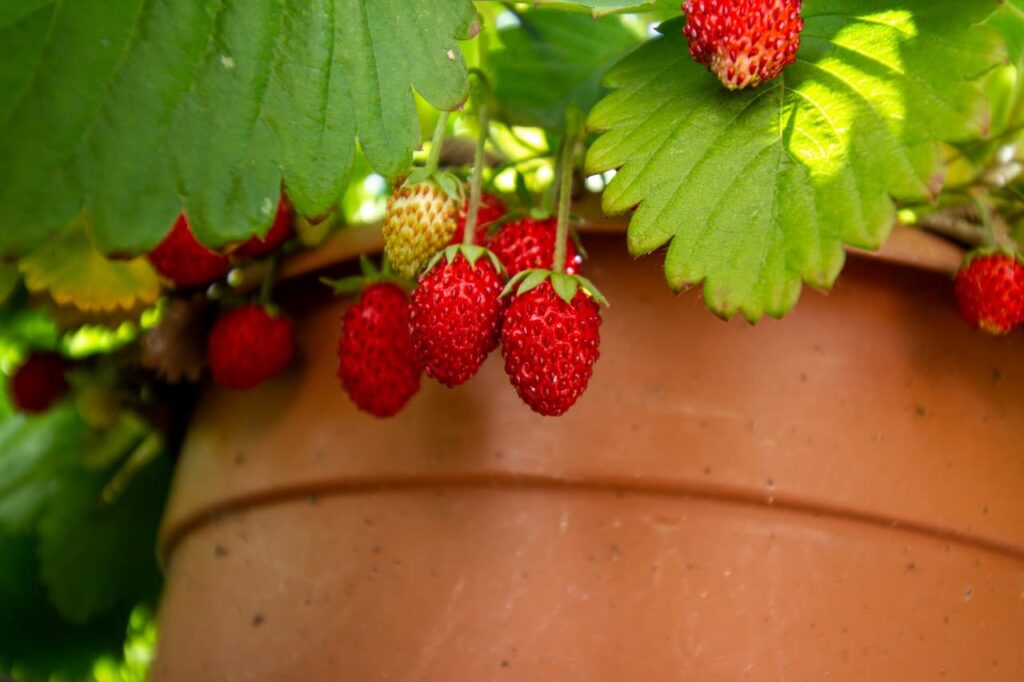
(350, 286)
(470, 252)
(986, 251)
(565, 286)
(447, 182)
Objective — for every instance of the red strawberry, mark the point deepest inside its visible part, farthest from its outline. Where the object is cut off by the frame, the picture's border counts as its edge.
(376, 362)
(278, 233)
(39, 382)
(249, 345)
(186, 262)
(744, 42)
(550, 346)
(491, 209)
(456, 314)
(528, 244)
(990, 291)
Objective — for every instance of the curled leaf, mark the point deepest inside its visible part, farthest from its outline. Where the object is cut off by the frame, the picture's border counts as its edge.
(73, 272)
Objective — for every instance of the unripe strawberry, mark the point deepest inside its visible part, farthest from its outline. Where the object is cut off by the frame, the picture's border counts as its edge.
(39, 382)
(419, 221)
(529, 244)
(248, 345)
(277, 235)
(491, 209)
(990, 292)
(550, 347)
(377, 365)
(744, 42)
(456, 315)
(186, 262)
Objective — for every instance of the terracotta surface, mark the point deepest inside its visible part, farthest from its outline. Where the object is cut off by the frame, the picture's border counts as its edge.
(837, 496)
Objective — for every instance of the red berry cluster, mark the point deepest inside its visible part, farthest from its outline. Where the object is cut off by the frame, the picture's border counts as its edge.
(187, 263)
(457, 316)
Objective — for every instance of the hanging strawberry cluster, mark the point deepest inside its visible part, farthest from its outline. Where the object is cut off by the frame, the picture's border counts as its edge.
(481, 280)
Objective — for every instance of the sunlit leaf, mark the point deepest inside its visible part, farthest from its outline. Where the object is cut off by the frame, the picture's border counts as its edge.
(756, 191)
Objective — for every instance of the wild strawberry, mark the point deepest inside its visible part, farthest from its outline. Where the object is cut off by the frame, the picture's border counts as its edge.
(744, 42)
(528, 244)
(418, 222)
(550, 339)
(277, 235)
(377, 365)
(39, 382)
(990, 291)
(248, 345)
(491, 209)
(456, 314)
(186, 262)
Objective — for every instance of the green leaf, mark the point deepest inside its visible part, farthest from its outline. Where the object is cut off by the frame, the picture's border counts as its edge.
(1009, 21)
(758, 190)
(22, 36)
(565, 286)
(134, 109)
(95, 556)
(601, 7)
(9, 278)
(35, 642)
(34, 452)
(552, 59)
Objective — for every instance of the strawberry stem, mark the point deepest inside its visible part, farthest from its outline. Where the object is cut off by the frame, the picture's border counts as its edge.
(986, 219)
(436, 142)
(565, 164)
(469, 231)
(268, 280)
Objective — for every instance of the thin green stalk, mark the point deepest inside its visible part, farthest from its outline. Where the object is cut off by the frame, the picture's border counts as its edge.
(437, 142)
(986, 220)
(564, 199)
(268, 280)
(469, 233)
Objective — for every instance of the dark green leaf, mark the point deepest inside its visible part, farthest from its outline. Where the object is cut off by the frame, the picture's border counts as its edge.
(34, 453)
(95, 556)
(553, 59)
(133, 109)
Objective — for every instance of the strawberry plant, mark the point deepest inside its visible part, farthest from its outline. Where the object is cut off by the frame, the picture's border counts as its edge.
(163, 165)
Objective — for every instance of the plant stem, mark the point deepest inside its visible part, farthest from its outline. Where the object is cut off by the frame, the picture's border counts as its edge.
(436, 142)
(268, 280)
(986, 220)
(469, 233)
(564, 199)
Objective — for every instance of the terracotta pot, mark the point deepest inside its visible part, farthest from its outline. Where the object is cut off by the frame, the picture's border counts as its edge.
(837, 496)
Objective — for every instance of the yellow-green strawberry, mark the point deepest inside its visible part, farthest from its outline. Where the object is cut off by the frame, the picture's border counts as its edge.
(419, 221)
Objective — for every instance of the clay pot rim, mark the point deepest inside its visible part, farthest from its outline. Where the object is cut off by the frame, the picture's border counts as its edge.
(906, 246)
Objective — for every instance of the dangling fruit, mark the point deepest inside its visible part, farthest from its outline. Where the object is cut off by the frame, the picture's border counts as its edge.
(419, 221)
(550, 340)
(377, 364)
(39, 382)
(186, 262)
(277, 235)
(989, 291)
(744, 42)
(248, 345)
(491, 209)
(528, 244)
(456, 314)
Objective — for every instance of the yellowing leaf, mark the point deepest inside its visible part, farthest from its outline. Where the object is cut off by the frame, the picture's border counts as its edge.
(73, 272)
